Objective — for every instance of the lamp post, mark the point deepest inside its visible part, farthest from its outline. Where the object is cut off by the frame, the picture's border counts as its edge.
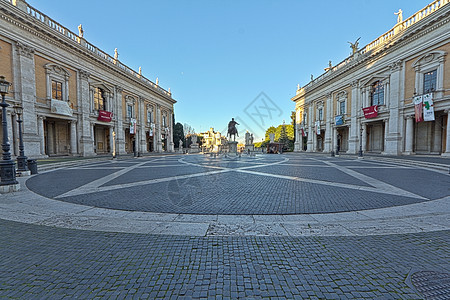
(7, 166)
(361, 129)
(21, 159)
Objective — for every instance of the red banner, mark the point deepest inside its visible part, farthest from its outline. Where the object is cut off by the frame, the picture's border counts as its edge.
(105, 116)
(371, 111)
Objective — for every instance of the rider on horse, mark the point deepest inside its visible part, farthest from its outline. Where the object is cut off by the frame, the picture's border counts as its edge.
(232, 128)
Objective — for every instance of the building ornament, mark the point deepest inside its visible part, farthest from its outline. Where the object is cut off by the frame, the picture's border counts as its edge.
(24, 50)
(396, 66)
(84, 74)
(119, 89)
(354, 84)
(56, 69)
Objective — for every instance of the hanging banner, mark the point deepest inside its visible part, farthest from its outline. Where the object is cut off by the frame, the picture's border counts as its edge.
(303, 132)
(370, 112)
(339, 120)
(317, 127)
(105, 116)
(428, 109)
(133, 126)
(418, 108)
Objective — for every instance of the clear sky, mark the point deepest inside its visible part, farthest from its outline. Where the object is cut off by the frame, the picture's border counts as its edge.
(233, 58)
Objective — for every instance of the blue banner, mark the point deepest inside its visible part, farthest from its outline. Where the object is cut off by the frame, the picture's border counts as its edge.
(339, 120)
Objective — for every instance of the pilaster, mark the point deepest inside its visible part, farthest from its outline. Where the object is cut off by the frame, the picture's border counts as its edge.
(25, 91)
(353, 141)
(447, 141)
(120, 131)
(328, 145)
(392, 134)
(84, 123)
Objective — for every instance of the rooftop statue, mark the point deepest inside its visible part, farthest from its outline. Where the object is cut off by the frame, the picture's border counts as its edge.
(399, 16)
(80, 31)
(354, 46)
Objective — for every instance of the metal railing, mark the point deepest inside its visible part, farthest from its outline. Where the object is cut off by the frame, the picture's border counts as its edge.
(58, 28)
(384, 38)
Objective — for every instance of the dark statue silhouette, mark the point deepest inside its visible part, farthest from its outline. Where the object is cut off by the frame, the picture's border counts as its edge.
(232, 129)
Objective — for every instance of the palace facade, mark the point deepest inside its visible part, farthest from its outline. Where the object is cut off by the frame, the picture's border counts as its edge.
(76, 99)
(390, 97)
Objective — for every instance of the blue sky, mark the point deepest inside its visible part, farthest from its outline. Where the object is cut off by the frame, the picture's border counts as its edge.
(225, 59)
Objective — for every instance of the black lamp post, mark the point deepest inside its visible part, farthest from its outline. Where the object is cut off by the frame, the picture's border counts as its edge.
(361, 129)
(21, 159)
(7, 166)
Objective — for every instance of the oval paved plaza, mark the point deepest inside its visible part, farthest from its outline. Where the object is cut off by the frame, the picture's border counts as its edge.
(263, 185)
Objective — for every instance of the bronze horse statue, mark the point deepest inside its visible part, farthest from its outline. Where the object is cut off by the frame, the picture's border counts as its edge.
(232, 129)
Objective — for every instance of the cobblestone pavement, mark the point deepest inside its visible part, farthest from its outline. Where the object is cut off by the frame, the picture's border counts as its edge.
(267, 184)
(215, 258)
(39, 262)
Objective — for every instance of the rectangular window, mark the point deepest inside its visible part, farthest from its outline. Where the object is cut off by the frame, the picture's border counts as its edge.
(57, 90)
(320, 114)
(130, 111)
(378, 93)
(99, 101)
(149, 116)
(342, 108)
(429, 81)
(164, 121)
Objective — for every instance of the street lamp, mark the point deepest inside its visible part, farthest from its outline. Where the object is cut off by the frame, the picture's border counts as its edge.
(21, 159)
(7, 166)
(361, 129)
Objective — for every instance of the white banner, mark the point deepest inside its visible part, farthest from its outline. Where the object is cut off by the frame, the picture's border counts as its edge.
(61, 107)
(428, 109)
(318, 127)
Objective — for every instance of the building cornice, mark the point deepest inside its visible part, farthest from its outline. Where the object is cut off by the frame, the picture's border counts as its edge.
(26, 22)
(362, 59)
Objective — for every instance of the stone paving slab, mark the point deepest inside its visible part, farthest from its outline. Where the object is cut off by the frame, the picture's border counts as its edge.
(42, 262)
(25, 206)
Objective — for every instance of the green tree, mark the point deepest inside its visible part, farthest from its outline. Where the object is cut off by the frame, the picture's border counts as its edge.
(178, 134)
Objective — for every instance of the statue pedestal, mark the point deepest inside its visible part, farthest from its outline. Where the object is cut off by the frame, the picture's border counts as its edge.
(194, 148)
(232, 148)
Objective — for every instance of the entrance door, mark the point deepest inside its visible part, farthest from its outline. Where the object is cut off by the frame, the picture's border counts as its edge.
(376, 138)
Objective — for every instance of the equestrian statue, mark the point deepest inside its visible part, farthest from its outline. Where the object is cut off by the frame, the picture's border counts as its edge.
(232, 129)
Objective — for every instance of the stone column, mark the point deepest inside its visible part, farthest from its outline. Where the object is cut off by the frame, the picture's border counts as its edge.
(393, 136)
(158, 129)
(25, 91)
(386, 134)
(111, 139)
(335, 138)
(86, 136)
(41, 133)
(12, 132)
(409, 135)
(73, 137)
(120, 131)
(311, 133)
(142, 142)
(364, 137)
(171, 144)
(298, 136)
(437, 140)
(328, 145)
(353, 141)
(447, 140)
(50, 138)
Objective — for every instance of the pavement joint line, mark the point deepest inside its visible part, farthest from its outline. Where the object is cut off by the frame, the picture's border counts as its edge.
(335, 184)
(375, 182)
